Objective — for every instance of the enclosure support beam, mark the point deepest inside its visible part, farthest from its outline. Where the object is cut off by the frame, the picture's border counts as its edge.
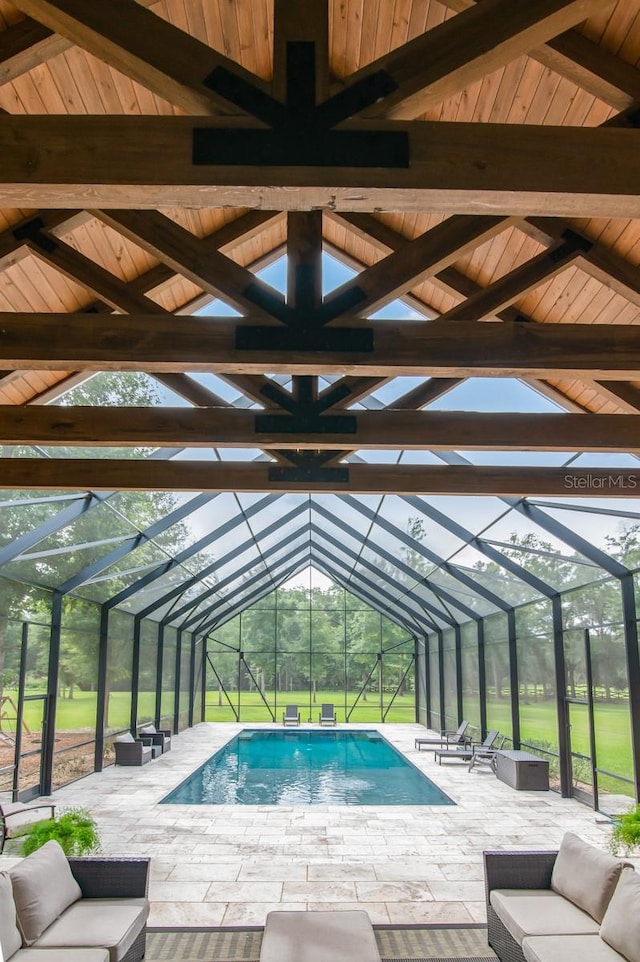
(192, 678)
(458, 639)
(135, 672)
(176, 684)
(159, 660)
(441, 689)
(633, 671)
(482, 679)
(102, 705)
(561, 701)
(513, 678)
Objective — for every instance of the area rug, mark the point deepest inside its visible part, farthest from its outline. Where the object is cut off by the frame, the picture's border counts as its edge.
(447, 943)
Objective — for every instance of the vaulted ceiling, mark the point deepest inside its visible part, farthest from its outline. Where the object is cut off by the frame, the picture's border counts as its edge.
(480, 159)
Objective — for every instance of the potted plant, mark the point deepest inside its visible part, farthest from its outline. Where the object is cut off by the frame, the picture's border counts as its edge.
(75, 829)
(626, 832)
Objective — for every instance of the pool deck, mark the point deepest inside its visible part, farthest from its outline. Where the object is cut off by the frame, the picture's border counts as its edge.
(231, 864)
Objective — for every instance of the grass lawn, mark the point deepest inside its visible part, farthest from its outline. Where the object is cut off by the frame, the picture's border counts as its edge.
(253, 709)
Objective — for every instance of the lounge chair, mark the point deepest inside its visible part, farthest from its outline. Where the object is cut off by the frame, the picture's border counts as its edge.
(291, 715)
(9, 810)
(486, 756)
(327, 715)
(447, 738)
(463, 754)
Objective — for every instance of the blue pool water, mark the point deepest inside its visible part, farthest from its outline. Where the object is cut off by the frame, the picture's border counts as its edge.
(260, 767)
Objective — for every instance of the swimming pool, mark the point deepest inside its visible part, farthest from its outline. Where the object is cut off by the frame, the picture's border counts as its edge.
(262, 767)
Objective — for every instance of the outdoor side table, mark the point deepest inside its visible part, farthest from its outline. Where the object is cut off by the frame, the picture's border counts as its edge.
(522, 771)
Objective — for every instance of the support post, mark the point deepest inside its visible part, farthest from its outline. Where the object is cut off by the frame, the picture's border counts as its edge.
(135, 673)
(102, 704)
(633, 670)
(561, 700)
(513, 678)
(482, 679)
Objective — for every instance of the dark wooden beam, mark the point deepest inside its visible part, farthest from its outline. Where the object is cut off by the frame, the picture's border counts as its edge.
(488, 301)
(229, 427)
(135, 475)
(418, 259)
(159, 343)
(187, 255)
(143, 46)
(547, 230)
(145, 162)
(459, 52)
(28, 44)
(585, 63)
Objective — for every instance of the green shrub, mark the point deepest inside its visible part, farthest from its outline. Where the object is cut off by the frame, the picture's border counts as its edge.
(74, 829)
(626, 832)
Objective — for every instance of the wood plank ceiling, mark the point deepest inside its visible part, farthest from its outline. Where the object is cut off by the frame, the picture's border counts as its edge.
(559, 64)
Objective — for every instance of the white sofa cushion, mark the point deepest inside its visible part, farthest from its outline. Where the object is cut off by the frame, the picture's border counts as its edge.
(127, 739)
(149, 730)
(43, 887)
(585, 875)
(113, 924)
(10, 938)
(621, 923)
(526, 912)
(567, 948)
(315, 936)
(62, 955)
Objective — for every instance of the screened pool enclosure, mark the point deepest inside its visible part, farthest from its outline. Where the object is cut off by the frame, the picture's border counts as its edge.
(119, 608)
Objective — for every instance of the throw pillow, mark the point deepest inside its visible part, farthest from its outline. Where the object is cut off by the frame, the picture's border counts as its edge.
(43, 887)
(148, 730)
(125, 738)
(585, 875)
(621, 923)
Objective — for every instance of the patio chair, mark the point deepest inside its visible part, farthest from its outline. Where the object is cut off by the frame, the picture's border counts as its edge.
(447, 738)
(8, 810)
(327, 715)
(132, 751)
(160, 737)
(291, 715)
(465, 754)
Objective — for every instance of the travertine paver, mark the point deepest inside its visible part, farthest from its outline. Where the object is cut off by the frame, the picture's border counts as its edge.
(230, 865)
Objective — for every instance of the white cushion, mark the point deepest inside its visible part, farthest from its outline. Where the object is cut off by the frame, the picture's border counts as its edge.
(567, 948)
(621, 923)
(10, 938)
(127, 739)
(585, 875)
(149, 730)
(113, 924)
(526, 912)
(318, 937)
(43, 887)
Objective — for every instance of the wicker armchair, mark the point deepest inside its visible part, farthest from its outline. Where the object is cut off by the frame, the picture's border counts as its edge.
(513, 870)
(133, 752)
(112, 877)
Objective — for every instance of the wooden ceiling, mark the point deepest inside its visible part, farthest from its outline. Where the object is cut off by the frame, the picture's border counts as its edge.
(534, 220)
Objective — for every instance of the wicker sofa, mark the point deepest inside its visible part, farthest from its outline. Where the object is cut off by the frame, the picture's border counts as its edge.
(576, 903)
(54, 909)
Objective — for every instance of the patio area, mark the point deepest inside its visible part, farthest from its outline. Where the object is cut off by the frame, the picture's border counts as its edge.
(230, 865)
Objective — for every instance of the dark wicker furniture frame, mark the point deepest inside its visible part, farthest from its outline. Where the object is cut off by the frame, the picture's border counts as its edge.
(9, 809)
(111, 877)
(134, 753)
(161, 737)
(513, 870)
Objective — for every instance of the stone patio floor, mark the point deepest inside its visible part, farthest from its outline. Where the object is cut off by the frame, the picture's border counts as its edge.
(231, 864)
